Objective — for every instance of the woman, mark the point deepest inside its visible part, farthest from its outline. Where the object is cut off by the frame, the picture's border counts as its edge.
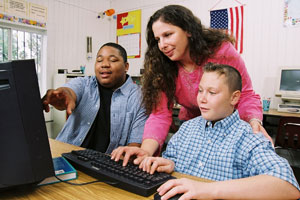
(178, 48)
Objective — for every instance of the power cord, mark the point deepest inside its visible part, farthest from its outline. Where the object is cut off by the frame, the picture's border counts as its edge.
(64, 181)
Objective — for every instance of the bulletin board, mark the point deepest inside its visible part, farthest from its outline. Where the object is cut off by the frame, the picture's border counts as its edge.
(23, 12)
(129, 32)
(291, 13)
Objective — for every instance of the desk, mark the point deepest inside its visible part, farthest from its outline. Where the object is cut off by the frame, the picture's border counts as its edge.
(275, 113)
(65, 191)
(271, 120)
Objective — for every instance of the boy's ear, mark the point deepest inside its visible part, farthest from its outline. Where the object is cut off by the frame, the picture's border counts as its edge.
(126, 67)
(235, 97)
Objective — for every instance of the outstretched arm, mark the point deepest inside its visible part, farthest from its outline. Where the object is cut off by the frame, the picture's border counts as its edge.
(257, 187)
(62, 98)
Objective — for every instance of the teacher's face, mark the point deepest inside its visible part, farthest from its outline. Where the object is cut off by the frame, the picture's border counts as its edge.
(171, 40)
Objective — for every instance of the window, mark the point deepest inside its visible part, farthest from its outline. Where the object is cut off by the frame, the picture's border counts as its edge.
(4, 44)
(19, 44)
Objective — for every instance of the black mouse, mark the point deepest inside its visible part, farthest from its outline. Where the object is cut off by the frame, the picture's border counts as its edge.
(177, 196)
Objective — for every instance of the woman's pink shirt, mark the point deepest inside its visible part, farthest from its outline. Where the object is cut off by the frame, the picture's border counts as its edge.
(158, 124)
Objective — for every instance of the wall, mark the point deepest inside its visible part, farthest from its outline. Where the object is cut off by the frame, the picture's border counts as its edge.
(69, 23)
(268, 46)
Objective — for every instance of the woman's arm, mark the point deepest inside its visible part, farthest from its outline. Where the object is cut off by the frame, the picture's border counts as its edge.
(155, 132)
(157, 127)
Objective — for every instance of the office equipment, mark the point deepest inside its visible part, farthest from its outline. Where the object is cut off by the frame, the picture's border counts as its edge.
(175, 197)
(130, 178)
(24, 148)
(63, 170)
(289, 90)
(94, 191)
(289, 84)
(292, 108)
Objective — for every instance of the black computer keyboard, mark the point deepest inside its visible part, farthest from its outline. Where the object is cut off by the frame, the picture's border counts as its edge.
(129, 178)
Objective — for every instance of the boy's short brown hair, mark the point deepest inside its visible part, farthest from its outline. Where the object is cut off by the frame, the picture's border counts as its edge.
(232, 75)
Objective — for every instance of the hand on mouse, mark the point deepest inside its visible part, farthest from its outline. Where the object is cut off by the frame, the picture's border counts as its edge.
(189, 189)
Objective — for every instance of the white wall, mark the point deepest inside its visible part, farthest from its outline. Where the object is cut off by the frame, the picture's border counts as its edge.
(268, 46)
(69, 23)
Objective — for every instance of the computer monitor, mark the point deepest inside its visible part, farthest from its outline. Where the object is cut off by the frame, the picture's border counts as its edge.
(25, 157)
(289, 84)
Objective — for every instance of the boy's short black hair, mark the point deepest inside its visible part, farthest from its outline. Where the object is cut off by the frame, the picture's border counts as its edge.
(122, 51)
(232, 75)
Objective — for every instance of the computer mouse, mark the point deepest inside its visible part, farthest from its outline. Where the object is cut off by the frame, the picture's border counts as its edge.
(177, 196)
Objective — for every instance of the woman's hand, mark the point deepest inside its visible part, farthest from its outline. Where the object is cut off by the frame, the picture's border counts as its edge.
(152, 164)
(257, 127)
(129, 151)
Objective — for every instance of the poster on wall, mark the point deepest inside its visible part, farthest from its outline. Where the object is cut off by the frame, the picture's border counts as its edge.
(16, 7)
(1, 6)
(23, 12)
(129, 32)
(37, 12)
(291, 13)
(132, 47)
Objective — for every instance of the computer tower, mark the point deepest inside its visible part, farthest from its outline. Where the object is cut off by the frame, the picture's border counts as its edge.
(25, 157)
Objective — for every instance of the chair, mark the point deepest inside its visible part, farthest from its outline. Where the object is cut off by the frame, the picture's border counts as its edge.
(287, 142)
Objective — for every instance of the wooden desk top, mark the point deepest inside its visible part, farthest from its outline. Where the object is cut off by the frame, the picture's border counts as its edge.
(274, 112)
(65, 191)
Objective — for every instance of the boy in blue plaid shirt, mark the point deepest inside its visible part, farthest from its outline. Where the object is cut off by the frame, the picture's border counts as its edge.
(220, 146)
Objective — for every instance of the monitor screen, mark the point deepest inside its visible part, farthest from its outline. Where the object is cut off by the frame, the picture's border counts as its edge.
(290, 80)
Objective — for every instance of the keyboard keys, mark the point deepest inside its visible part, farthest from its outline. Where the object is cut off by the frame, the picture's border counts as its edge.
(130, 177)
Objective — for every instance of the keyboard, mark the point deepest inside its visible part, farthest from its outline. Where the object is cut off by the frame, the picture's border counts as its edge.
(129, 178)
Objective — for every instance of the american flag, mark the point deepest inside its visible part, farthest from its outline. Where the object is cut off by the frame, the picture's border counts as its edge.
(230, 19)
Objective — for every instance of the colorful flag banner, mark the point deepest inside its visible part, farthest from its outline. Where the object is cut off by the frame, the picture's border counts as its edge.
(231, 20)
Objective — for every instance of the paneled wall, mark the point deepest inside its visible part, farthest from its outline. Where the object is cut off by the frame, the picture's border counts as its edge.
(69, 23)
(268, 45)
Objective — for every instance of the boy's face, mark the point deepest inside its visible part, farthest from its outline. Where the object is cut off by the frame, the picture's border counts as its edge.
(110, 68)
(214, 98)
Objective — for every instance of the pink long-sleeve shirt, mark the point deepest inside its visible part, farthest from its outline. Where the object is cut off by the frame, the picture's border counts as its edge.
(158, 124)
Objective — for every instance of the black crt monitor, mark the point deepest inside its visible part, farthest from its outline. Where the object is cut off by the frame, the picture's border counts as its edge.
(25, 157)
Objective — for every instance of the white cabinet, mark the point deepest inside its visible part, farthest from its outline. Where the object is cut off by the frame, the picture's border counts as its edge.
(59, 117)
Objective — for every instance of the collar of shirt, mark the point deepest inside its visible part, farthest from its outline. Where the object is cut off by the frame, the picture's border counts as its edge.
(224, 123)
(124, 89)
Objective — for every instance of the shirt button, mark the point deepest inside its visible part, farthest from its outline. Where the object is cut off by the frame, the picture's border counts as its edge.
(200, 164)
(88, 123)
(208, 123)
(209, 141)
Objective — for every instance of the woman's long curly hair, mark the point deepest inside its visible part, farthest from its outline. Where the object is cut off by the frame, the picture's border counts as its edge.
(160, 72)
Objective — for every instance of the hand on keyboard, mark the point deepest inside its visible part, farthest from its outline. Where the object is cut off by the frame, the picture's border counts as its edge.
(129, 152)
(129, 177)
(159, 164)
